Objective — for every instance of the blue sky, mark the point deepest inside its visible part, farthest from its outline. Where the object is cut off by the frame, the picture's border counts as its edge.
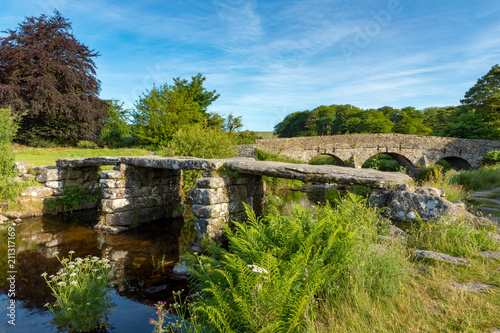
(268, 59)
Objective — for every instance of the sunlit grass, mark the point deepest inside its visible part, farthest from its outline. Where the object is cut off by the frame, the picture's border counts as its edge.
(48, 156)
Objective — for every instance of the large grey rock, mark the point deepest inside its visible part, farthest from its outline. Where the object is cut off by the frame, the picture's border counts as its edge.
(48, 175)
(23, 166)
(422, 254)
(208, 196)
(472, 286)
(210, 182)
(489, 254)
(37, 192)
(149, 161)
(210, 211)
(320, 173)
(412, 204)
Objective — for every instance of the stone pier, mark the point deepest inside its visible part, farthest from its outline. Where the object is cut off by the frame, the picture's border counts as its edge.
(134, 195)
(218, 201)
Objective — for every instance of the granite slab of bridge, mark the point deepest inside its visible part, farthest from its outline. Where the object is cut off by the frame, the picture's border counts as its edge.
(147, 188)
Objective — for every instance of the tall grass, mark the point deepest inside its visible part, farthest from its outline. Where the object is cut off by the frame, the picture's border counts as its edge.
(457, 238)
(484, 178)
(435, 176)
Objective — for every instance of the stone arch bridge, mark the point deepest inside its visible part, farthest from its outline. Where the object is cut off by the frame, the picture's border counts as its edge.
(409, 151)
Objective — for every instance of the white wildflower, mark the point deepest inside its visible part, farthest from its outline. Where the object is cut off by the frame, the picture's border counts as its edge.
(62, 283)
(71, 252)
(73, 283)
(257, 269)
(44, 274)
(72, 274)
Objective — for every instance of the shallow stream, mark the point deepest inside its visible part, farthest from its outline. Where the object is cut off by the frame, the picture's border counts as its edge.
(145, 260)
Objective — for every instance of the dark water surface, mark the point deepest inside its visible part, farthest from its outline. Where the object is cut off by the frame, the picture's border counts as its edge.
(138, 285)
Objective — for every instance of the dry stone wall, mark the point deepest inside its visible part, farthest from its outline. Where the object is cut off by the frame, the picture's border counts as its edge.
(54, 180)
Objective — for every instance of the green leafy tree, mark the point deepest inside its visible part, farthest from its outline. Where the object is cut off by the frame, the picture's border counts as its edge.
(438, 118)
(484, 96)
(391, 113)
(115, 124)
(467, 124)
(196, 91)
(375, 121)
(163, 110)
(412, 122)
(293, 125)
(320, 120)
(232, 123)
(48, 77)
(347, 119)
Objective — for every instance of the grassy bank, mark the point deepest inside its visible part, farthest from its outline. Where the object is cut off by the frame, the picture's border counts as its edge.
(48, 156)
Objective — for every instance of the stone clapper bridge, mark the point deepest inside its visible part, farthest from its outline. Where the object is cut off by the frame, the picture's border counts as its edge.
(144, 189)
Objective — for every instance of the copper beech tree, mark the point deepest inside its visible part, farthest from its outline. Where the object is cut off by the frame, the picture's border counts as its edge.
(48, 78)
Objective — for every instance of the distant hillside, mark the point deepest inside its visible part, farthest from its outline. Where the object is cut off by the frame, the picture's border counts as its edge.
(266, 135)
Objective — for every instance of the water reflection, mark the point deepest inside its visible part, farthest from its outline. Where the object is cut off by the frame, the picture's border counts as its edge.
(145, 258)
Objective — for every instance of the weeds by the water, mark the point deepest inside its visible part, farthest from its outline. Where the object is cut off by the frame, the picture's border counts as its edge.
(82, 293)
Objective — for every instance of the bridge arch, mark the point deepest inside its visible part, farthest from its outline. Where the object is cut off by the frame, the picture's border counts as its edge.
(402, 160)
(338, 161)
(456, 162)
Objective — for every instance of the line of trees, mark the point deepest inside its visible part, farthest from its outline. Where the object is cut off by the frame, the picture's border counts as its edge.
(478, 117)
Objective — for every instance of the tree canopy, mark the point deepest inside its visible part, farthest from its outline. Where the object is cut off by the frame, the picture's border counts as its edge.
(49, 77)
(484, 96)
(161, 111)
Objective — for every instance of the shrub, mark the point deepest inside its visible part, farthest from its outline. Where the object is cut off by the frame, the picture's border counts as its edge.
(86, 144)
(71, 199)
(201, 142)
(197, 141)
(491, 158)
(382, 162)
(82, 293)
(262, 155)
